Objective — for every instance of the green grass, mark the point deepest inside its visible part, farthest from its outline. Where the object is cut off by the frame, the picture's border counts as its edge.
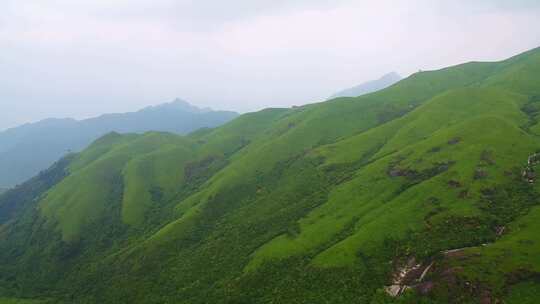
(83, 196)
(372, 208)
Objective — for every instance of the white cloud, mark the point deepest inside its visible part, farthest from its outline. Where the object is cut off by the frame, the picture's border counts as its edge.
(81, 58)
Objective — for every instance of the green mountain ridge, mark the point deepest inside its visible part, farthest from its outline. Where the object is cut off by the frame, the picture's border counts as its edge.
(30, 148)
(322, 203)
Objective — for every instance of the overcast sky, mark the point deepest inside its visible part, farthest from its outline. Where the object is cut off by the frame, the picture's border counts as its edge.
(80, 58)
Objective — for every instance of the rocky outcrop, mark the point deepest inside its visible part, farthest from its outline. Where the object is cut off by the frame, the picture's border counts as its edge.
(410, 275)
(529, 173)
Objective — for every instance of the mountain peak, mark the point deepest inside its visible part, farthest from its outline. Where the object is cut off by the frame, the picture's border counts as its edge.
(370, 86)
(178, 104)
(392, 75)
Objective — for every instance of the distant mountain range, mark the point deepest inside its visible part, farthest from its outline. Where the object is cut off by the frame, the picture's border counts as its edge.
(30, 148)
(370, 86)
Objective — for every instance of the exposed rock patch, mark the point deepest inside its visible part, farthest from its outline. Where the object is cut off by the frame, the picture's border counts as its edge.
(529, 173)
(480, 173)
(435, 149)
(454, 184)
(463, 194)
(410, 276)
(487, 157)
(454, 141)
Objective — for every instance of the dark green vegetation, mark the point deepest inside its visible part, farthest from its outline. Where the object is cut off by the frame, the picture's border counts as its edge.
(28, 149)
(315, 204)
(22, 301)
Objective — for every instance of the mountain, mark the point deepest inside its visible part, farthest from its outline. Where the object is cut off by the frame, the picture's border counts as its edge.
(28, 149)
(423, 192)
(370, 86)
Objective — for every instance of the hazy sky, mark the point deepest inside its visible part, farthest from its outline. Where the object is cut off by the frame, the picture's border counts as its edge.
(79, 58)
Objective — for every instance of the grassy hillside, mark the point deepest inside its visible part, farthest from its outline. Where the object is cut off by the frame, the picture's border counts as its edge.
(322, 203)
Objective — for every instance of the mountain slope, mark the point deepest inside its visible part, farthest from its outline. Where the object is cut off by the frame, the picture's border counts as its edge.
(369, 87)
(26, 150)
(317, 204)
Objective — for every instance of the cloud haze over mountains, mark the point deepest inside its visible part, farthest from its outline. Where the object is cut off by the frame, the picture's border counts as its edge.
(66, 59)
